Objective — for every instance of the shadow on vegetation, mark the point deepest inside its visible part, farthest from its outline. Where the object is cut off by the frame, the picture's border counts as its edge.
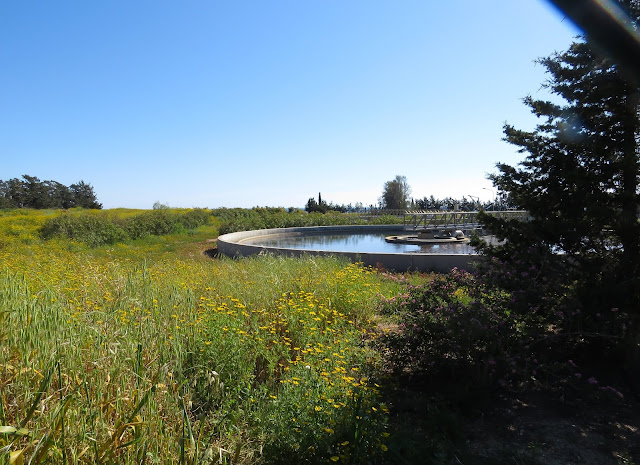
(444, 424)
(212, 253)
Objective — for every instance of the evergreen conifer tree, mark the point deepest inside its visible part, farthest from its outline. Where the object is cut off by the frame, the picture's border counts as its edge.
(580, 179)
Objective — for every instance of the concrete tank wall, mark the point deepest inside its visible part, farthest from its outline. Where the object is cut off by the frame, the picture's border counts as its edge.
(231, 245)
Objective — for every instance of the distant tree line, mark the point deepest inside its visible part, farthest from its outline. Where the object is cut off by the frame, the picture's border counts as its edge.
(464, 204)
(426, 203)
(321, 206)
(30, 192)
(395, 196)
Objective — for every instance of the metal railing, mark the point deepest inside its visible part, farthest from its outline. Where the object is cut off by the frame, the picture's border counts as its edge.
(383, 211)
(427, 219)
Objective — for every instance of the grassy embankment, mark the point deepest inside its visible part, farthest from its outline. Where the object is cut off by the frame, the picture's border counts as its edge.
(149, 352)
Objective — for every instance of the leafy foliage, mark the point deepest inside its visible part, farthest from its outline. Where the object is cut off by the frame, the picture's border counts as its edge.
(319, 206)
(395, 194)
(467, 334)
(454, 329)
(323, 206)
(91, 229)
(100, 229)
(30, 192)
(463, 204)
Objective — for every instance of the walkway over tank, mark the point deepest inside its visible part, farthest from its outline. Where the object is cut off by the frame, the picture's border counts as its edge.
(429, 219)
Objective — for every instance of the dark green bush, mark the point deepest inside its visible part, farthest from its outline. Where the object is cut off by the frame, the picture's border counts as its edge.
(162, 222)
(91, 229)
(96, 230)
(453, 328)
(504, 326)
(194, 218)
(153, 223)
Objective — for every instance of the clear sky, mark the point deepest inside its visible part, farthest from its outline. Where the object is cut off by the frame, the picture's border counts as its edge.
(242, 103)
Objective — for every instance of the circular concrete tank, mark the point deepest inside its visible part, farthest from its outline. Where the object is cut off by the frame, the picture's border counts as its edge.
(246, 243)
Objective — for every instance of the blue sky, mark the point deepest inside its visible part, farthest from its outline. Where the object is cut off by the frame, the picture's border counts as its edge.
(245, 103)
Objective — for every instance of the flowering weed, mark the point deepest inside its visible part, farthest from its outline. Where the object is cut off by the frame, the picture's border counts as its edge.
(151, 357)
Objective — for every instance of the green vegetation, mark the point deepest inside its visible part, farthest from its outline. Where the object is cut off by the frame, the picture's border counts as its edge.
(321, 206)
(96, 228)
(395, 194)
(148, 351)
(580, 182)
(30, 192)
(126, 353)
(120, 342)
(102, 228)
(239, 219)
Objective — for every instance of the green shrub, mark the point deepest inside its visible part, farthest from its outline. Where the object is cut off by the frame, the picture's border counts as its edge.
(102, 229)
(194, 218)
(453, 329)
(156, 222)
(502, 327)
(91, 229)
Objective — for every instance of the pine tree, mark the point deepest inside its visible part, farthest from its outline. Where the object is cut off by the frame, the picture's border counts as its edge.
(580, 178)
(84, 196)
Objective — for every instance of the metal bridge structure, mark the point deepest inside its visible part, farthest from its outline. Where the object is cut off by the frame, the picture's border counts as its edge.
(455, 219)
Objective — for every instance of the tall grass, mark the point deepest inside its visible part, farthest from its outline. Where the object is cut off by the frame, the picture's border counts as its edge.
(130, 354)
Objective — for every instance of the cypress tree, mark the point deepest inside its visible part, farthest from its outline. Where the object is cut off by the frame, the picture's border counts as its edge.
(580, 178)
